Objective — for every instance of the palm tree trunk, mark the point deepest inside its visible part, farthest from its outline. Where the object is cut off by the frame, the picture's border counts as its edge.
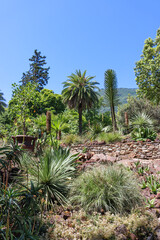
(114, 124)
(80, 119)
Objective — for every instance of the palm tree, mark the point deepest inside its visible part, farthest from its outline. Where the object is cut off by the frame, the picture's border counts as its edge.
(2, 102)
(79, 93)
(111, 94)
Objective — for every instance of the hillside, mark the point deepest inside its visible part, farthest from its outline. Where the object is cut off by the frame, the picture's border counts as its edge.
(123, 95)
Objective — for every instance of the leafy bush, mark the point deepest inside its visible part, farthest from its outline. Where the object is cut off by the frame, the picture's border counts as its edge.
(109, 137)
(134, 106)
(142, 134)
(19, 211)
(111, 188)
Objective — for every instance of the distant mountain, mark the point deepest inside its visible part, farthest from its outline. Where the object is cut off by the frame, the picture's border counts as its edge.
(123, 95)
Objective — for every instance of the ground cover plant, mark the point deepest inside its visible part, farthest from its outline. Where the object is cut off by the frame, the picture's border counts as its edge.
(111, 188)
(139, 224)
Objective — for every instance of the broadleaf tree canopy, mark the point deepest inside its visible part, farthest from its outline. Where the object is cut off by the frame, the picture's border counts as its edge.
(147, 70)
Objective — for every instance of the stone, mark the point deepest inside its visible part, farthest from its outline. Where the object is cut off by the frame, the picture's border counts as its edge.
(133, 236)
(157, 203)
(157, 233)
(99, 157)
(158, 196)
(121, 231)
(111, 159)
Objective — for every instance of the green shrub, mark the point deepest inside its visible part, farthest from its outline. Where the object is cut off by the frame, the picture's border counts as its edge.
(112, 188)
(142, 134)
(109, 137)
(134, 106)
(73, 139)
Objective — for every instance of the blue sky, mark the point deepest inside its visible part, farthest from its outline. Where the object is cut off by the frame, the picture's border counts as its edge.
(75, 34)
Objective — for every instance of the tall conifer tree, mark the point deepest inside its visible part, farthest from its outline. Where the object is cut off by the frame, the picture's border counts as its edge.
(37, 72)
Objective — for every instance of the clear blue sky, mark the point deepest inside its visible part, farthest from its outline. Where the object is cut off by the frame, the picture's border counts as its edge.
(75, 34)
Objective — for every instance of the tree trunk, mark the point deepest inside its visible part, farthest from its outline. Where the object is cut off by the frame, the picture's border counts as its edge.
(114, 124)
(24, 128)
(126, 119)
(59, 135)
(80, 119)
(48, 122)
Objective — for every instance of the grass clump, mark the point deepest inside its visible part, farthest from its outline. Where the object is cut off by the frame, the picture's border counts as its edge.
(111, 188)
(109, 137)
(73, 139)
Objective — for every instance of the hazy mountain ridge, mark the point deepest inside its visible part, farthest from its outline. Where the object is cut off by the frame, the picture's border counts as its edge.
(123, 95)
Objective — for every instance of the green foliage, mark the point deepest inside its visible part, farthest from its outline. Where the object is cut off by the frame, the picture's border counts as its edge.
(18, 214)
(71, 118)
(150, 203)
(109, 137)
(50, 102)
(111, 94)
(37, 73)
(134, 106)
(40, 123)
(142, 134)
(79, 93)
(22, 102)
(53, 173)
(110, 188)
(70, 139)
(141, 120)
(153, 184)
(59, 125)
(2, 103)
(147, 70)
(123, 94)
(142, 126)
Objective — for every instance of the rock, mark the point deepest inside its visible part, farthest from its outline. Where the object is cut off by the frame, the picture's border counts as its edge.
(121, 232)
(133, 237)
(89, 155)
(99, 157)
(122, 152)
(157, 203)
(158, 196)
(157, 233)
(111, 159)
(50, 229)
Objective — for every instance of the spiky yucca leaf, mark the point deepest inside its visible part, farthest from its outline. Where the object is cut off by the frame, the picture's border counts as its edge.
(142, 120)
(53, 174)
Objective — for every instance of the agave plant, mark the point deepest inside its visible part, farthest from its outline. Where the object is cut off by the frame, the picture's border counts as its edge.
(53, 174)
(142, 127)
(141, 120)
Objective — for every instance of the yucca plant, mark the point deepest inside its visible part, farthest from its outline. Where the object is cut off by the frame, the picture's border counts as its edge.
(111, 188)
(111, 93)
(142, 127)
(53, 174)
(141, 120)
